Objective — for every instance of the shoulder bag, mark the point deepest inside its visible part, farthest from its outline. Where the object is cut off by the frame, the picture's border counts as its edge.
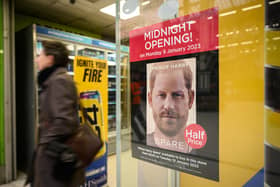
(85, 143)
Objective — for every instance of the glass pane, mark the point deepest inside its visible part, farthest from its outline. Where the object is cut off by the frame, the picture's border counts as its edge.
(71, 49)
(222, 42)
(139, 172)
(90, 52)
(272, 99)
(124, 91)
(111, 57)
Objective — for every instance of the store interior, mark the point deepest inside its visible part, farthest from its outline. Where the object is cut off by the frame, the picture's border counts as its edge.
(246, 42)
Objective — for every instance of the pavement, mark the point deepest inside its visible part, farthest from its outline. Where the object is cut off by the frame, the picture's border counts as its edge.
(19, 182)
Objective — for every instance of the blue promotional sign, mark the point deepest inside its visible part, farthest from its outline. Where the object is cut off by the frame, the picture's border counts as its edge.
(96, 173)
(78, 38)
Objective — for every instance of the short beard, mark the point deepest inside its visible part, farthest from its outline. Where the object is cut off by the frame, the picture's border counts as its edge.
(167, 132)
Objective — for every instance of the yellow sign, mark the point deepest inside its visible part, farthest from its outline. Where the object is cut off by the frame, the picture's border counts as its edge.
(92, 83)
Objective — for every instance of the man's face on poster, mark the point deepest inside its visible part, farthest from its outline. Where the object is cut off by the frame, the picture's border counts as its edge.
(170, 101)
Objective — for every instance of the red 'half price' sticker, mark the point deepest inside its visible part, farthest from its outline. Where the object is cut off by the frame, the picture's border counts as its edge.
(195, 136)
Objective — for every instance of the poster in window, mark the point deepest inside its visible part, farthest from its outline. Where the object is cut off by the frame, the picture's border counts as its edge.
(175, 94)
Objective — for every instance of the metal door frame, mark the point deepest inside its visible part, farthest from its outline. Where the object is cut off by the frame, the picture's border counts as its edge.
(9, 90)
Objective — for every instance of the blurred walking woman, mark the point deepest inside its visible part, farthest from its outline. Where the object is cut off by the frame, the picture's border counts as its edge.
(58, 115)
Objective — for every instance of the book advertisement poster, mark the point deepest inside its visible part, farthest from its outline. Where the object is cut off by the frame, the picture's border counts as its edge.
(175, 94)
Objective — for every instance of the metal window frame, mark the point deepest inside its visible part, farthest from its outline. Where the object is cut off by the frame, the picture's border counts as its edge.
(9, 90)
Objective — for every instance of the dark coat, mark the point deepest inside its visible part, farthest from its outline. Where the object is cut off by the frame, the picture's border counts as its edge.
(58, 118)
